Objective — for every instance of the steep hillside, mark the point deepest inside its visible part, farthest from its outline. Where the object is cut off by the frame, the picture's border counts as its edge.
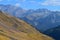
(12, 28)
(54, 32)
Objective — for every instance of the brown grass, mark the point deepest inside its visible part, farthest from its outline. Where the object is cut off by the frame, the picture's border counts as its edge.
(12, 28)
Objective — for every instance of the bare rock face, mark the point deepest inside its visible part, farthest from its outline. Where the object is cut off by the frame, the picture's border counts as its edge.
(12, 28)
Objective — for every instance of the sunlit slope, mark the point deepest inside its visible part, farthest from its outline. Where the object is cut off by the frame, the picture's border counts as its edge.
(12, 28)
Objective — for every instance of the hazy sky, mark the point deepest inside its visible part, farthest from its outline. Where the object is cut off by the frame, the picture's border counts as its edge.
(34, 4)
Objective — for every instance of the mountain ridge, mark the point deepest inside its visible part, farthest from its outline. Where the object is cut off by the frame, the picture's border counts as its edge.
(54, 32)
(41, 19)
(12, 28)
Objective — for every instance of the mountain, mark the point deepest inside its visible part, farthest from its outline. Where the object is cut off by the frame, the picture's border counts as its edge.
(54, 32)
(12, 28)
(12, 10)
(41, 19)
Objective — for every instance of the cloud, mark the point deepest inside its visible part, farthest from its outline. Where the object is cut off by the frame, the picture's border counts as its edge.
(1, 0)
(17, 4)
(33, 2)
(22, 0)
(51, 2)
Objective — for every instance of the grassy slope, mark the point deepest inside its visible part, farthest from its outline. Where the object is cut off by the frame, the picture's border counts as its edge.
(12, 28)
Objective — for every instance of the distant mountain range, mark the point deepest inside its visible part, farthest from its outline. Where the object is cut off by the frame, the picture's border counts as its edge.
(12, 10)
(12, 28)
(41, 19)
(54, 32)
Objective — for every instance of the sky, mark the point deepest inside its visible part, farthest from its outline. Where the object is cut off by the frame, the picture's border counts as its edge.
(34, 4)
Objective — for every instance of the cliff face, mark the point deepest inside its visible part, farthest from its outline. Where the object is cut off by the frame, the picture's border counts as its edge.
(12, 28)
